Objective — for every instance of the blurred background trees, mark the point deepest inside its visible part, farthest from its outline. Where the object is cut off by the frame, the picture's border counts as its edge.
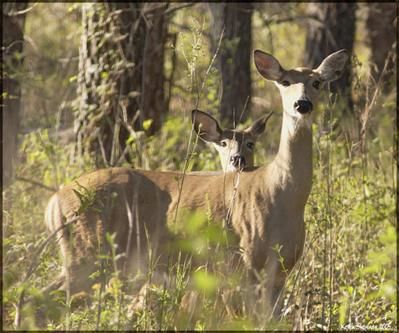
(382, 32)
(88, 85)
(13, 16)
(233, 20)
(332, 27)
(133, 64)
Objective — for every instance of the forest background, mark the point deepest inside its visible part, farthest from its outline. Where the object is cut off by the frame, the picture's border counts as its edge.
(113, 84)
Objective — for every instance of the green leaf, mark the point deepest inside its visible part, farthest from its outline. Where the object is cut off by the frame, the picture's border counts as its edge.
(205, 282)
(147, 124)
(195, 222)
(104, 75)
(73, 78)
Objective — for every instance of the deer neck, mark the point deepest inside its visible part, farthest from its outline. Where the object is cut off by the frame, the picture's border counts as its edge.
(293, 162)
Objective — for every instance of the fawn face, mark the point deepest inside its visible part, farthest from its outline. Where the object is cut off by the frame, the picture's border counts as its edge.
(235, 147)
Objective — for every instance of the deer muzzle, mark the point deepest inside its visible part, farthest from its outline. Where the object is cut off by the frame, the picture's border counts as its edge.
(238, 161)
(303, 106)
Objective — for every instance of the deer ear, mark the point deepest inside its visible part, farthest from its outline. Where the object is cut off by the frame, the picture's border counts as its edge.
(331, 67)
(206, 126)
(259, 126)
(268, 66)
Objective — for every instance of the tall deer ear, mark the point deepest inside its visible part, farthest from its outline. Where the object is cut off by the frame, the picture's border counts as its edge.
(331, 67)
(259, 126)
(206, 126)
(268, 66)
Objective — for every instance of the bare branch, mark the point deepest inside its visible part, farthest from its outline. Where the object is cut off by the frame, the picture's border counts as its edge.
(177, 7)
(21, 12)
(188, 29)
(210, 66)
(36, 183)
(268, 21)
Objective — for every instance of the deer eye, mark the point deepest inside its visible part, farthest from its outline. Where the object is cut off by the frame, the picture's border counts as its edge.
(316, 84)
(285, 83)
(250, 145)
(223, 143)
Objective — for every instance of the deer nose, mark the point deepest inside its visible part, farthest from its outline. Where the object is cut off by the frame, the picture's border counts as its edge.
(303, 106)
(238, 161)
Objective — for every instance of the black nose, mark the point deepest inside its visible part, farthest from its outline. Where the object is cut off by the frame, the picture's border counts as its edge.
(303, 106)
(238, 161)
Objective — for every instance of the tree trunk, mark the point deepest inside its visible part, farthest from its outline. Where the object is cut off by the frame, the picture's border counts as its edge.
(153, 102)
(234, 59)
(382, 30)
(121, 73)
(13, 42)
(332, 29)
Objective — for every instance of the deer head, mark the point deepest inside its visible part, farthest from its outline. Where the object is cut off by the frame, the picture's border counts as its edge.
(300, 87)
(235, 147)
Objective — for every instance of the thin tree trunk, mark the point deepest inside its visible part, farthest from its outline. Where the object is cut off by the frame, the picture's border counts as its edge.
(153, 102)
(382, 30)
(13, 45)
(333, 29)
(234, 59)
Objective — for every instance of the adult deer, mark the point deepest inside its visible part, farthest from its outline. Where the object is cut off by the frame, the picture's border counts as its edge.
(235, 147)
(268, 210)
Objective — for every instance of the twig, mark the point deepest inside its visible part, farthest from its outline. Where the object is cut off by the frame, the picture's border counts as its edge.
(296, 276)
(185, 27)
(21, 12)
(124, 267)
(367, 109)
(329, 212)
(188, 154)
(177, 7)
(229, 213)
(173, 71)
(210, 65)
(132, 132)
(268, 21)
(148, 9)
(36, 183)
(186, 161)
(102, 149)
(34, 265)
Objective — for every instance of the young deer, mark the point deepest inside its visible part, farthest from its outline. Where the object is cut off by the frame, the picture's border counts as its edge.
(267, 213)
(235, 147)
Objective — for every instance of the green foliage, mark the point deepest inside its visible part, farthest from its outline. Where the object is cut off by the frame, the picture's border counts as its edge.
(87, 198)
(382, 267)
(51, 49)
(353, 268)
(47, 164)
(346, 278)
(174, 139)
(205, 282)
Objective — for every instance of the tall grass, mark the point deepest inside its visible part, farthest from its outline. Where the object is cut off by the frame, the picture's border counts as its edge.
(345, 279)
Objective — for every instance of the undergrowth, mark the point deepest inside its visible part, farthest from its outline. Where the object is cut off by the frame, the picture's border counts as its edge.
(345, 279)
